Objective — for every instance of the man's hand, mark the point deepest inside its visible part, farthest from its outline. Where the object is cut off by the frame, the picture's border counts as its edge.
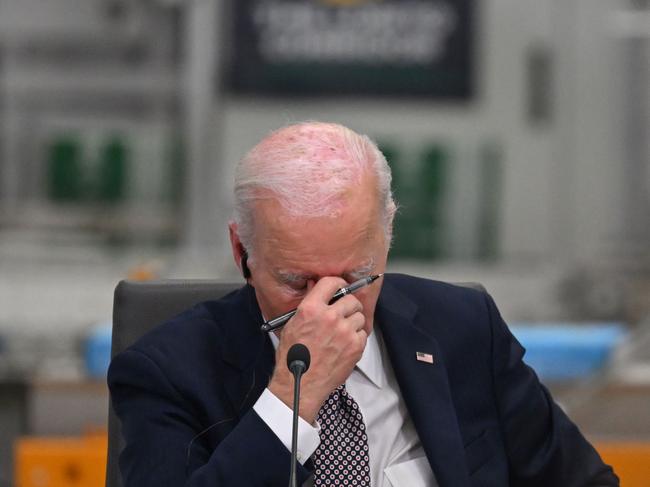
(335, 337)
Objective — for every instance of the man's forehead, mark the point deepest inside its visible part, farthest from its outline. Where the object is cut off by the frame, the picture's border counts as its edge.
(357, 199)
(272, 222)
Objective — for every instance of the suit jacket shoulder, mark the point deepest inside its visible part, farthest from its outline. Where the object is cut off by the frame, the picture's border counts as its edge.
(184, 394)
(502, 420)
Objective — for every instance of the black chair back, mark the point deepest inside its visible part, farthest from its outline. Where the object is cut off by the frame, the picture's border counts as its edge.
(137, 308)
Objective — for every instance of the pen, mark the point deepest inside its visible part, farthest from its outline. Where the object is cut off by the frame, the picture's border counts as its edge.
(281, 320)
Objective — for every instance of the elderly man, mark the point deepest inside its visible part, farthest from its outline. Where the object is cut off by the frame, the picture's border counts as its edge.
(412, 382)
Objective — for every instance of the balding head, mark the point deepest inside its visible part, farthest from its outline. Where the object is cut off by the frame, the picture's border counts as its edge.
(310, 169)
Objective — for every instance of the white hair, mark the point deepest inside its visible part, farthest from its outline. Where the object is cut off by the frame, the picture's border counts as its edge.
(306, 167)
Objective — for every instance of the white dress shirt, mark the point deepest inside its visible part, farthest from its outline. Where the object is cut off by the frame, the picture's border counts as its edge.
(397, 458)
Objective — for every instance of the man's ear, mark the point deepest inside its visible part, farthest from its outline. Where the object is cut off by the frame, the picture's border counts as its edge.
(239, 253)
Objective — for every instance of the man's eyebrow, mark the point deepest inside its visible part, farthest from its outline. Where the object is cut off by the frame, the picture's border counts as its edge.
(292, 277)
(363, 270)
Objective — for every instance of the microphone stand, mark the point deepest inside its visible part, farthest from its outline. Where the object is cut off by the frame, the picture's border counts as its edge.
(294, 431)
(298, 360)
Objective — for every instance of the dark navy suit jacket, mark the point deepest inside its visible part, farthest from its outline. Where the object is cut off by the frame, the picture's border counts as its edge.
(185, 392)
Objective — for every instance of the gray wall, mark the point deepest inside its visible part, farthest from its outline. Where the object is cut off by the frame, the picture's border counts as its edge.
(561, 194)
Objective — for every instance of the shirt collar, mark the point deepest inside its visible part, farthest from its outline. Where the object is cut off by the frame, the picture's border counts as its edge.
(274, 340)
(371, 363)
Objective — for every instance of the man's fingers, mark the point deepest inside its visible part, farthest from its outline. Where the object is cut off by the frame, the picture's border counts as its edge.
(363, 338)
(325, 288)
(358, 321)
(348, 305)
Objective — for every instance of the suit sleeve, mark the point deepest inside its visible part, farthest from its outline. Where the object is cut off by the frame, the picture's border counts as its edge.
(544, 446)
(166, 445)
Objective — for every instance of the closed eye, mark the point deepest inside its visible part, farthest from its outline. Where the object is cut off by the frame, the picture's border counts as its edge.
(294, 283)
(298, 286)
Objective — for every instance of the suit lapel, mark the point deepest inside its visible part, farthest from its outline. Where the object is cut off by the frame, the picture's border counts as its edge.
(248, 352)
(424, 387)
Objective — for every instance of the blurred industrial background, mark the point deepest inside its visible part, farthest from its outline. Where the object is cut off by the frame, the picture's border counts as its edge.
(518, 133)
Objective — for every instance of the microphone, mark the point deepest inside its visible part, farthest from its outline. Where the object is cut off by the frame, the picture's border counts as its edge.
(298, 359)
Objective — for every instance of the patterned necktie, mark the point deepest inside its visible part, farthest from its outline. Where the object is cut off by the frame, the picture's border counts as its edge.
(342, 458)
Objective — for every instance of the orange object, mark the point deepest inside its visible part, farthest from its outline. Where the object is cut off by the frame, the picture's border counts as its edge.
(146, 271)
(630, 460)
(61, 462)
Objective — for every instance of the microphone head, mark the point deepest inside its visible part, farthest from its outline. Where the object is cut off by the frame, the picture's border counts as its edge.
(298, 353)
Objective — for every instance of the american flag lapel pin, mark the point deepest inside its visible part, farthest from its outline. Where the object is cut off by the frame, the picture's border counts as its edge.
(424, 357)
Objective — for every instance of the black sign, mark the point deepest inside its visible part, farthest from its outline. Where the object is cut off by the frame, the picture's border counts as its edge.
(333, 47)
